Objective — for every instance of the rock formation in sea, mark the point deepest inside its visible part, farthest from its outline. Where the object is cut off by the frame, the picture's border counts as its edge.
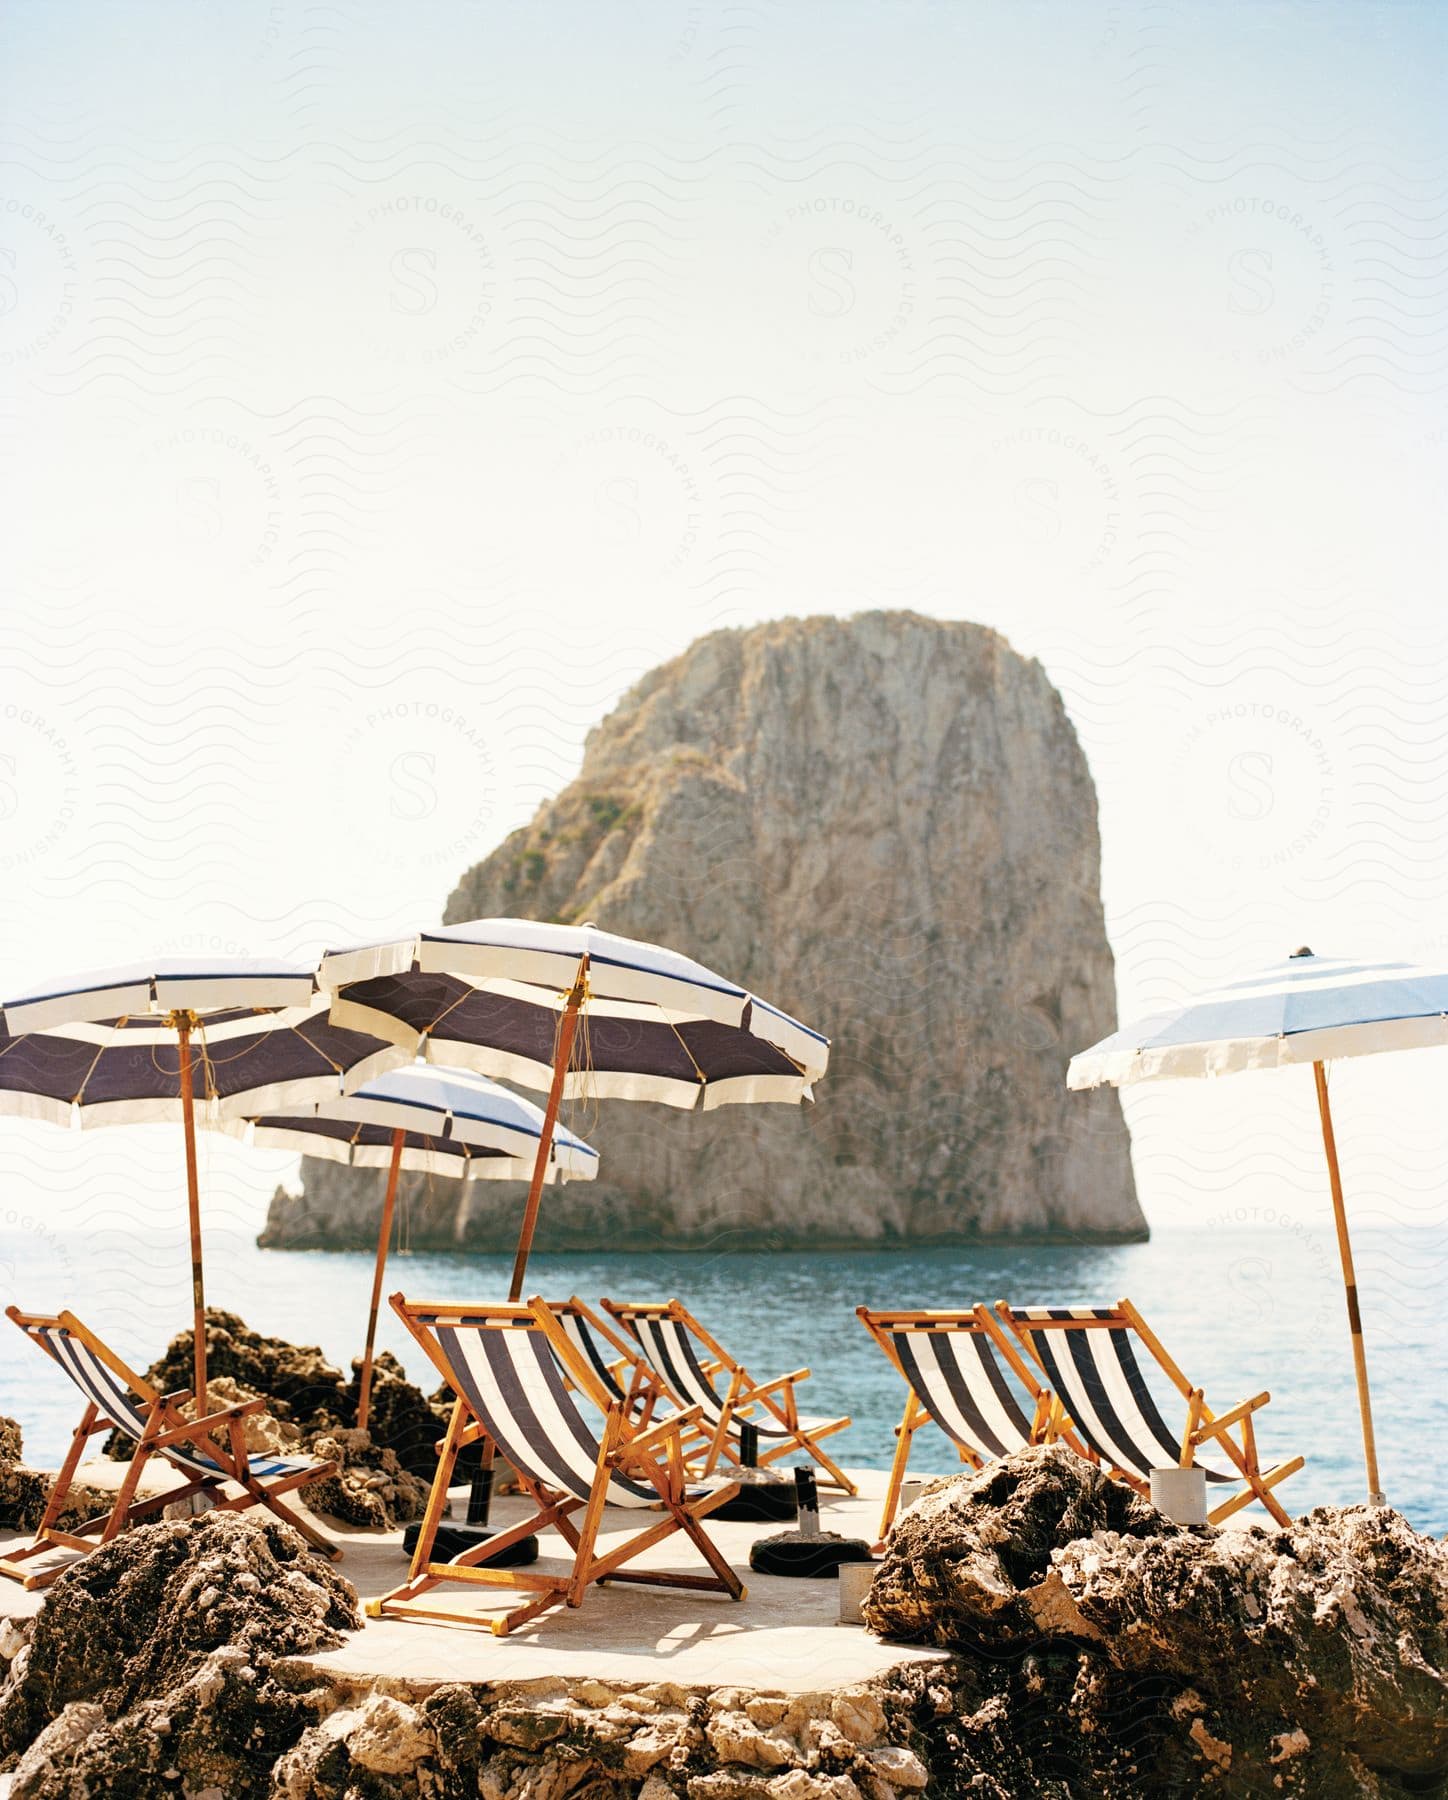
(886, 825)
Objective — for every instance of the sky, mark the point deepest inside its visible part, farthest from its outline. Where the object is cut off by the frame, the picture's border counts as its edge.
(385, 392)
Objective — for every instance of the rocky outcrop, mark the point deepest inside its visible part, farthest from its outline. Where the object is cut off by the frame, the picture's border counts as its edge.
(312, 1407)
(1101, 1642)
(370, 1488)
(152, 1666)
(24, 1491)
(886, 825)
(1091, 1649)
(605, 1740)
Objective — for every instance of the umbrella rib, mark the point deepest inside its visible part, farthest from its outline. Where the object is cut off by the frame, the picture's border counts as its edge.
(335, 1066)
(79, 1095)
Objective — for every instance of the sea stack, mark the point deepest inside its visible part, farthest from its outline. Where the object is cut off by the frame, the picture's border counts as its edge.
(885, 824)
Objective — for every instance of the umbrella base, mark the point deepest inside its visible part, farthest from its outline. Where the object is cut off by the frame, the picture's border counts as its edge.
(769, 1502)
(817, 1556)
(452, 1540)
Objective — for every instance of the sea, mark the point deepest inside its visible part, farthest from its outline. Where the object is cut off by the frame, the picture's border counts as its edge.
(1242, 1307)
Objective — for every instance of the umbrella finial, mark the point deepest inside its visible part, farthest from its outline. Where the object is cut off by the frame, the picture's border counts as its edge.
(1301, 950)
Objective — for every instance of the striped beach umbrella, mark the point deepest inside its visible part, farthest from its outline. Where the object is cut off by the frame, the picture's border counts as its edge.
(181, 1041)
(431, 1120)
(576, 1011)
(1307, 1009)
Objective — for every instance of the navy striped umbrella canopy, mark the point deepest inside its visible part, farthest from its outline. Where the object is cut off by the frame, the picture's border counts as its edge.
(580, 1011)
(1306, 1009)
(180, 1040)
(659, 1026)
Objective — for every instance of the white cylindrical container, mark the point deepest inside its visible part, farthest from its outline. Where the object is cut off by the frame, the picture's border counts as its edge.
(1181, 1494)
(910, 1492)
(855, 1579)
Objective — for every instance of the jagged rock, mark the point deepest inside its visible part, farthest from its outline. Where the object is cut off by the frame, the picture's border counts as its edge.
(262, 1432)
(300, 1384)
(25, 1491)
(403, 1419)
(307, 1398)
(371, 1487)
(1100, 1642)
(959, 1560)
(886, 825)
(151, 1667)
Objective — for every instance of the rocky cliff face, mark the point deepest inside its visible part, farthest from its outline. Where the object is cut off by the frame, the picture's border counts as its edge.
(886, 825)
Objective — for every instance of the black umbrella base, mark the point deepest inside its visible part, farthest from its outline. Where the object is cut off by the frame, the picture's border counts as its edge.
(452, 1540)
(818, 1556)
(771, 1502)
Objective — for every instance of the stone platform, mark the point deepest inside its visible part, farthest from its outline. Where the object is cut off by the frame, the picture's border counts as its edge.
(785, 1636)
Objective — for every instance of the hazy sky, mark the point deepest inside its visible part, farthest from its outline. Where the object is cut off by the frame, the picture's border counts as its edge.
(386, 389)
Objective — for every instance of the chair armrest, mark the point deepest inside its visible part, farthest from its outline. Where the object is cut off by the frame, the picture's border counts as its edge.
(203, 1427)
(1224, 1421)
(768, 1387)
(646, 1441)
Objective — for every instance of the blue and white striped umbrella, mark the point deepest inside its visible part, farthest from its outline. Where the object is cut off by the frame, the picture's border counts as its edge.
(439, 1121)
(1306, 1009)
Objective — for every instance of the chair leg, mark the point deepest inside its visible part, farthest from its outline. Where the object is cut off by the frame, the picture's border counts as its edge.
(904, 1442)
(707, 1548)
(437, 1498)
(120, 1512)
(274, 1504)
(593, 1512)
(81, 1436)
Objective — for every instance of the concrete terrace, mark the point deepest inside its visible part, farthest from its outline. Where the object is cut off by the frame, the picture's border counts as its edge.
(785, 1636)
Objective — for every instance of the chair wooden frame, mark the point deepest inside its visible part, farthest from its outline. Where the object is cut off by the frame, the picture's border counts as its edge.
(1048, 1423)
(166, 1430)
(1202, 1427)
(647, 1454)
(630, 1373)
(741, 1395)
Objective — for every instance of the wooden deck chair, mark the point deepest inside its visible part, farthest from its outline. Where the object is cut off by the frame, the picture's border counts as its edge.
(116, 1396)
(614, 1358)
(1086, 1354)
(951, 1364)
(669, 1333)
(506, 1366)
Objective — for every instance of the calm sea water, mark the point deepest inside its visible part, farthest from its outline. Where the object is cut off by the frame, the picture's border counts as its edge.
(1240, 1308)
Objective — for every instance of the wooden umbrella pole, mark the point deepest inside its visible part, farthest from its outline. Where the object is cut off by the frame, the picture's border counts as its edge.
(481, 1497)
(384, 1239)
(562, 1054)
(1354, 1316)
(193, 1202)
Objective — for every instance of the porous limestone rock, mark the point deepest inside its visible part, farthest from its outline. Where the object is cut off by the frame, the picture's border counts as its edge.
(308, 1398)
(371, 1486)
(884, 824)
(152, 1665)
(1096, 1639)
(24, 1491)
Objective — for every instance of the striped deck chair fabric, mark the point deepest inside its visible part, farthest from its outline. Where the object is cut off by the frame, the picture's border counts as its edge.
(517, 1376)
(670, 1337)
(951, 1363)
(117, 1397)
(1088, 1356)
